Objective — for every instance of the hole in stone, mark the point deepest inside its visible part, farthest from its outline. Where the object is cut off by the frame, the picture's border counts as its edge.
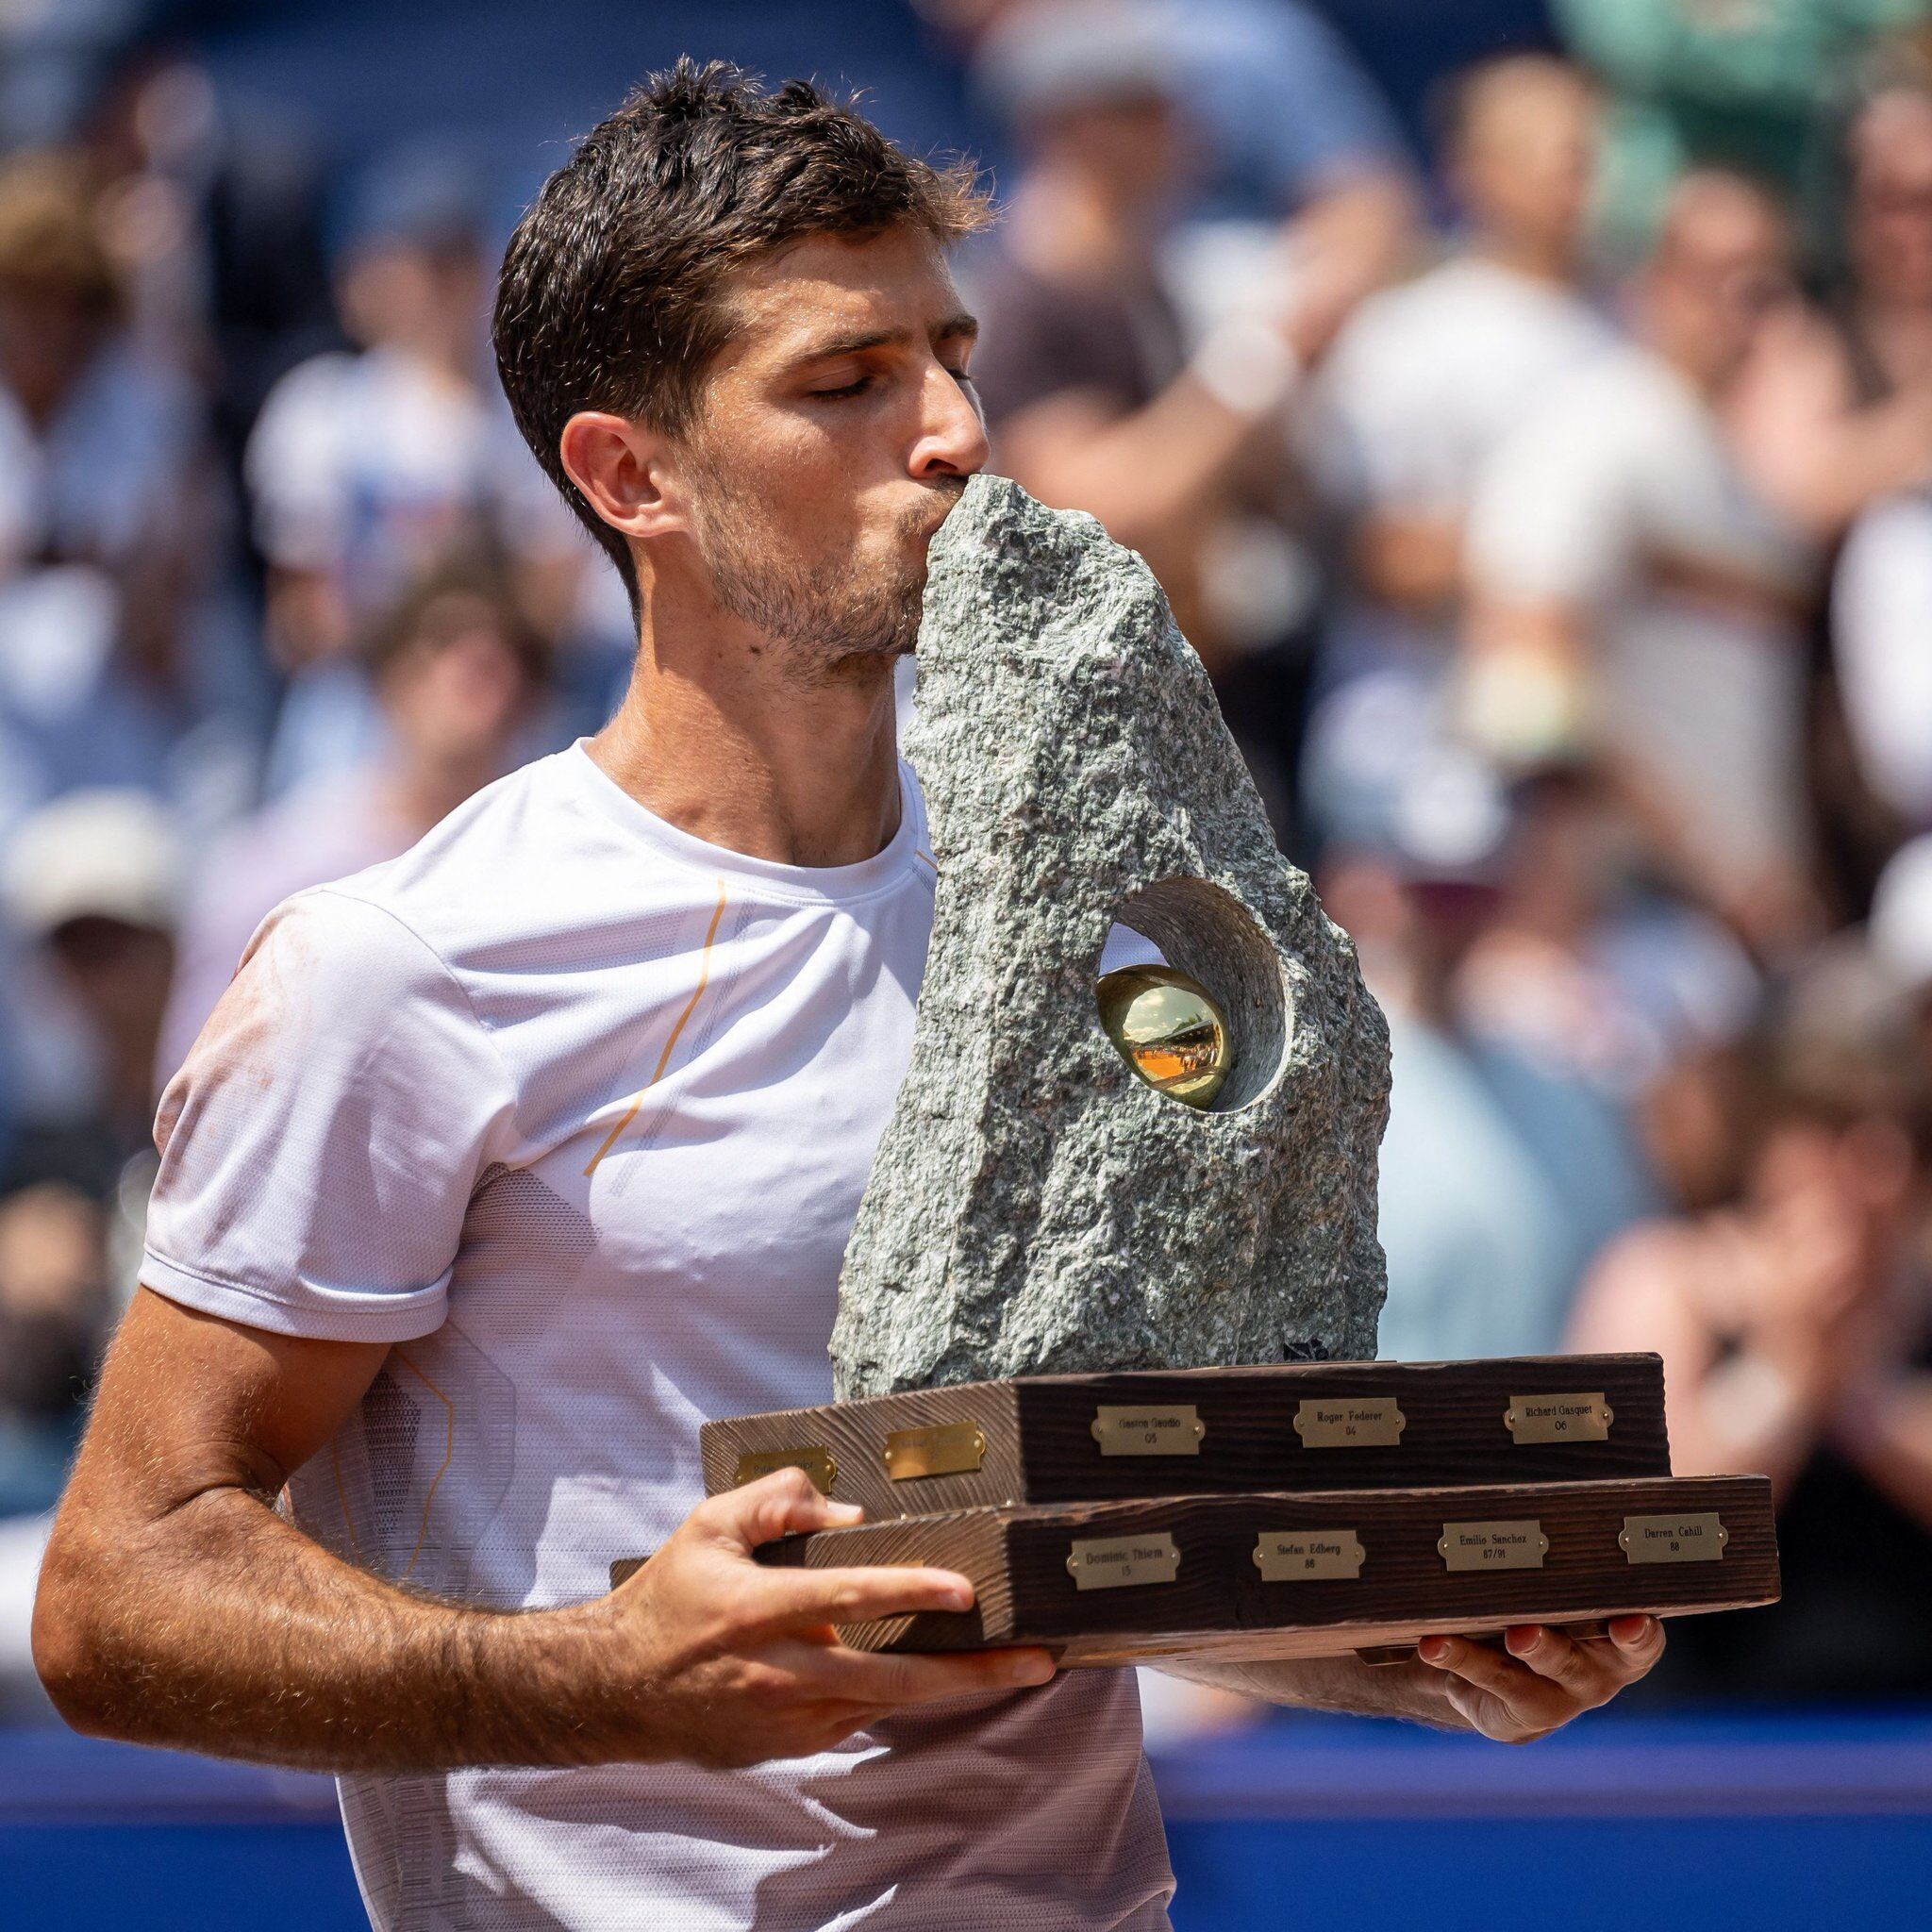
(1209, 935)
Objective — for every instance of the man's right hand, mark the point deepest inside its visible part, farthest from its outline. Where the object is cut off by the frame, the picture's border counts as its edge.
(176, 1607)
(728, 1664)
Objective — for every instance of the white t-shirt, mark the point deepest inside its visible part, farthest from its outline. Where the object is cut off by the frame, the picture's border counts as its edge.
(369, 466)
(1619, 499)
(575, 1110)
(1428, 379)
(1881, 620)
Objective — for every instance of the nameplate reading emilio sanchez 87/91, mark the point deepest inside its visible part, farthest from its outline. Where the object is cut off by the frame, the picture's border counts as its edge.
(1518, 1545)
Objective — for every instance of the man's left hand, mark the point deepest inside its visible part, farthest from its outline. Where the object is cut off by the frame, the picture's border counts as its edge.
(1542, 1679)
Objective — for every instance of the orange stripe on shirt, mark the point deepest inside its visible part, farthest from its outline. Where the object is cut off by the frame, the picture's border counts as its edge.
(630, 1113)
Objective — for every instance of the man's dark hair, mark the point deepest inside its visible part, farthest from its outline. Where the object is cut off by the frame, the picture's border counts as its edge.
(609, 295)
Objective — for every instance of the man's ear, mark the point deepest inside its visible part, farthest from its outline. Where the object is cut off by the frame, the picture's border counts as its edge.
(622, 469)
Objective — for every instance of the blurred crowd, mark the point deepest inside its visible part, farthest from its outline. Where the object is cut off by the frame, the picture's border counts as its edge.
(1551, 504)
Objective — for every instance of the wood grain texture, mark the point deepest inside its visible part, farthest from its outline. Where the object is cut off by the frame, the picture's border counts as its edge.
(1219, 1605)
(1039, 1447)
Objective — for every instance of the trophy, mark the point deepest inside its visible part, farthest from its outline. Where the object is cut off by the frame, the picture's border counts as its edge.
(1107, 1317)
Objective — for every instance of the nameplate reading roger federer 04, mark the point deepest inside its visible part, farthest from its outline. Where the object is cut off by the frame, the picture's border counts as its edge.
(1350, 1422)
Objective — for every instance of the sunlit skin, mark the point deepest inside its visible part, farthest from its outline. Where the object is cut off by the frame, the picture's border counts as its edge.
(780, 548)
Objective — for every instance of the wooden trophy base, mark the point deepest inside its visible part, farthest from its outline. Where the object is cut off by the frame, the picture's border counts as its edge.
(1287, 1575)
(1138, 1434)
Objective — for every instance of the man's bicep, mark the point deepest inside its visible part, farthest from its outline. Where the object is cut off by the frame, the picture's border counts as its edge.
(190, 1402)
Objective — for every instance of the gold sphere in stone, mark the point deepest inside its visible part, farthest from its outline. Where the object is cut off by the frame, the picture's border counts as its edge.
(1168, 1029)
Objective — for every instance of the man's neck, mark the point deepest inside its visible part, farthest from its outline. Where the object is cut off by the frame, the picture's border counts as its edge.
(716, 742)
(1531, 256)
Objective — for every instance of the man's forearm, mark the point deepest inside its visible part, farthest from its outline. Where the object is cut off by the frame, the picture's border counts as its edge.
(1341, 1684)
(222, 1628)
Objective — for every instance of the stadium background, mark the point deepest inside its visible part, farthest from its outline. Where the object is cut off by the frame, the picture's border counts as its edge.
(1655, 1074)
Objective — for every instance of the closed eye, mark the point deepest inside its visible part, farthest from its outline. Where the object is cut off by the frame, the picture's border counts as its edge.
(850, 389)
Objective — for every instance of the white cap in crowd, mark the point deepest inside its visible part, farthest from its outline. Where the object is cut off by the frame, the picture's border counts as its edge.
(106, 853)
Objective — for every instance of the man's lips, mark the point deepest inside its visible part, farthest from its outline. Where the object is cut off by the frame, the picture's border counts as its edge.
(952, 496)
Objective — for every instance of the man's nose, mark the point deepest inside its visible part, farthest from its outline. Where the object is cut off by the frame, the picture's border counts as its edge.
(952, 439)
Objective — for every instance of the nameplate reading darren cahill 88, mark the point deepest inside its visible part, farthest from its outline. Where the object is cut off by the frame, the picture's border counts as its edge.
(1698, 1537)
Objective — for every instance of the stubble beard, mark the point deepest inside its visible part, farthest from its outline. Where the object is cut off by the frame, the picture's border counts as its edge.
(820, 616)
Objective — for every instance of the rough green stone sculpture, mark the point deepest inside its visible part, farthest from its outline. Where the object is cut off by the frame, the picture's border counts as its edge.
(1035, 1207)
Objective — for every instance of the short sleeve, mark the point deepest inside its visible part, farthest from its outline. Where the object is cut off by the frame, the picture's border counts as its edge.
(1552, 519)
(321, 1143)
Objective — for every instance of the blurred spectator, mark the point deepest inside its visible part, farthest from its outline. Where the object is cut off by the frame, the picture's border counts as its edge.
(1833, 412)
(1290, 137)
(1587, 969)
(92, 885)
(1636, 601)
(1889, 315)
(1755, 87)
(366, 467)
(214, 206)
(53, 1310)
(1795, 1324)
(109, 522)
(1093, 397)
(1501, 1177)
(1882, 588)
(457, 672)
(1424, 383)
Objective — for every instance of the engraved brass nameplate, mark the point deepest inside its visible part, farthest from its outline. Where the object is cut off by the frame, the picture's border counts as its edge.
(815, 1462)
(1357, 1422)
(1141, 1431)
(1559, 1418)
(1698, 1536)
(1493, 1545)
(1112, 1562)
(1306, 1556)
(944, 1449)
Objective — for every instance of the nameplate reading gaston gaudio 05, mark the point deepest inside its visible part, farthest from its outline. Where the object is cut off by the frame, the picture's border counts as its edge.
(1353, 1422)
(1144, 1431)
